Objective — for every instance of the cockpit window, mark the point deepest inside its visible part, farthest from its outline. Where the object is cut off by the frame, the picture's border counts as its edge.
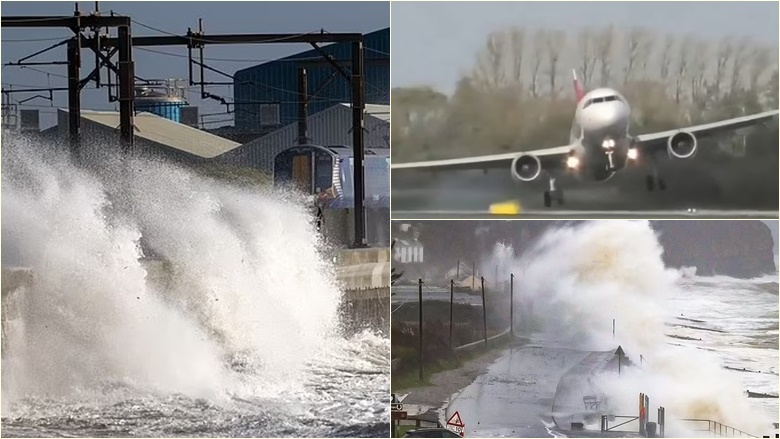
(600, 100)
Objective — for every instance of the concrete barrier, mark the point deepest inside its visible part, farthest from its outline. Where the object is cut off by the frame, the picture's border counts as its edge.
(364, 274)
(358, 256)
(479, 343)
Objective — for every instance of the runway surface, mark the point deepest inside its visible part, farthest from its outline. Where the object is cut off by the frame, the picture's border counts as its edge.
(714, 191)
(586, 214)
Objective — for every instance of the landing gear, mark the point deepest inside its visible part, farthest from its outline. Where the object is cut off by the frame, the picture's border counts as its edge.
(651, 181)
(553, 193)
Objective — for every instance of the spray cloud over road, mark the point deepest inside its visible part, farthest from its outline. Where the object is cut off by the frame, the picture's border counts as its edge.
(582, 277)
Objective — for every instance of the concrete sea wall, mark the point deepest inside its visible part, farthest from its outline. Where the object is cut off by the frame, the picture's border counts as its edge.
(364, 275)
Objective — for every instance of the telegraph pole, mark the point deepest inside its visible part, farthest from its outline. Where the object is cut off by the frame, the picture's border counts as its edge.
(512, 304)
(77, 23)
(358, 105)
(303, 106)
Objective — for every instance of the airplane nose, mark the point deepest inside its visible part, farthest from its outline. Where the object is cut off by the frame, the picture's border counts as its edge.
(604, 116)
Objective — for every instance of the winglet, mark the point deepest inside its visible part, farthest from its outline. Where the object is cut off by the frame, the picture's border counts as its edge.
(578, 92)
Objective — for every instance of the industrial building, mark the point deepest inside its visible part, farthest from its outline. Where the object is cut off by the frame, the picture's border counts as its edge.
(407, 249)
(332, 126)
(154, 136)
(266, 96)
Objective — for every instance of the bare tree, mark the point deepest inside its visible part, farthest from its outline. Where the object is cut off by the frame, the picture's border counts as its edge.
(605, 44)
(760, 62)
(724, 54)
(517, 50)
(698, 69)
(666, 56)
(740, 56)
(489, 71)
(646, 51)
(539, 41)
(682, 67)
(588, 55)
(555, 43)
(635, 48)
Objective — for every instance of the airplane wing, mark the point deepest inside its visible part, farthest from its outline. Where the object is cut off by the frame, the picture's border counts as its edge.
(550, 158)
(658, 140)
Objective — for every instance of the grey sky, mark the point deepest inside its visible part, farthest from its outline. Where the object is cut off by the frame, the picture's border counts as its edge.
(175, 17)
(435, 42)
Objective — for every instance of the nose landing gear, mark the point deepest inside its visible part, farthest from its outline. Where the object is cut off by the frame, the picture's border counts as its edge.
(652, 180)
(553, 193)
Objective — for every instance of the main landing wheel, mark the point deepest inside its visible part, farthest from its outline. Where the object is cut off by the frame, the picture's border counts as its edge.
(549, 196)
(651, 182)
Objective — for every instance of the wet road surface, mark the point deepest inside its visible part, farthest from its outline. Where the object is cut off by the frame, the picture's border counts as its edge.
(585, 214)
(514, 397)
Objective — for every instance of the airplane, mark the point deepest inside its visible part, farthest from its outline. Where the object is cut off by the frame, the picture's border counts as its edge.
(599, 145)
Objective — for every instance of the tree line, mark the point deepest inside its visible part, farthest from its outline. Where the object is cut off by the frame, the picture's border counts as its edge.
(519, 96)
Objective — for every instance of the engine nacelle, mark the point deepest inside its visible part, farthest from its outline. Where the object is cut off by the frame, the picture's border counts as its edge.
(681, 145)
(526, 168)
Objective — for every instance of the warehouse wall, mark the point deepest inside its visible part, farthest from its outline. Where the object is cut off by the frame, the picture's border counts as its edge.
(276, 82)
(332, 126)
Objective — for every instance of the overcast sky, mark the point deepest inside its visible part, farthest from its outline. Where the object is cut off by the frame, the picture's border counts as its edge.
(435, 42)
(175, 17)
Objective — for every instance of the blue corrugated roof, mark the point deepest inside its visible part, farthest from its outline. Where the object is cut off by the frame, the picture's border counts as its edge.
(276, 82)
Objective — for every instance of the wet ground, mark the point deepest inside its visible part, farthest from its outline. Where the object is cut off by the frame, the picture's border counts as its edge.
(514, 397)
(469, 194)
(586, 214)
(345, 394)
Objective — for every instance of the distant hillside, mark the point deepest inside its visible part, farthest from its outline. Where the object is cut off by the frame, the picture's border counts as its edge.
(741, 249)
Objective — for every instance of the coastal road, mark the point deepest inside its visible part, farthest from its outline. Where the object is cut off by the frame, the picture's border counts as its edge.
(514, 397)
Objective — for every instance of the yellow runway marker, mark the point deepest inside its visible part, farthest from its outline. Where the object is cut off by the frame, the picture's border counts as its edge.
(506, 208)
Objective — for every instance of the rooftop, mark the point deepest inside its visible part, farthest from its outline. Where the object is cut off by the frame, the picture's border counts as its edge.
(166, 132)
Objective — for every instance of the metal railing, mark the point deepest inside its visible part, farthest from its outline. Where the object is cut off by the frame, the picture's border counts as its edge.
(717, 429)
(605, 423)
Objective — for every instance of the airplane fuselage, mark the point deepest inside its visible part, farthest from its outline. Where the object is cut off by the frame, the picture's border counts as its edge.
(600, 135)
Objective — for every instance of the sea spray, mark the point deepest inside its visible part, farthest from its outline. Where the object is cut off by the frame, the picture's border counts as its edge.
(249, 303)
(89, 317)
(580, 278)
(245, 262)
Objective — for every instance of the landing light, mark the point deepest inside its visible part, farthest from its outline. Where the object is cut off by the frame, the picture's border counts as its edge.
(572, 162)
(633, 153)
(608, 143)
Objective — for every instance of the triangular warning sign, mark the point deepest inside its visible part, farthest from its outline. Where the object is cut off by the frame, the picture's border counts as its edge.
(620, 352)
(455, 420)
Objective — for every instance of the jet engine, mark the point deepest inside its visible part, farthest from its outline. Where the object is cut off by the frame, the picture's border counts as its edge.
(681, 145)
(526, 167)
